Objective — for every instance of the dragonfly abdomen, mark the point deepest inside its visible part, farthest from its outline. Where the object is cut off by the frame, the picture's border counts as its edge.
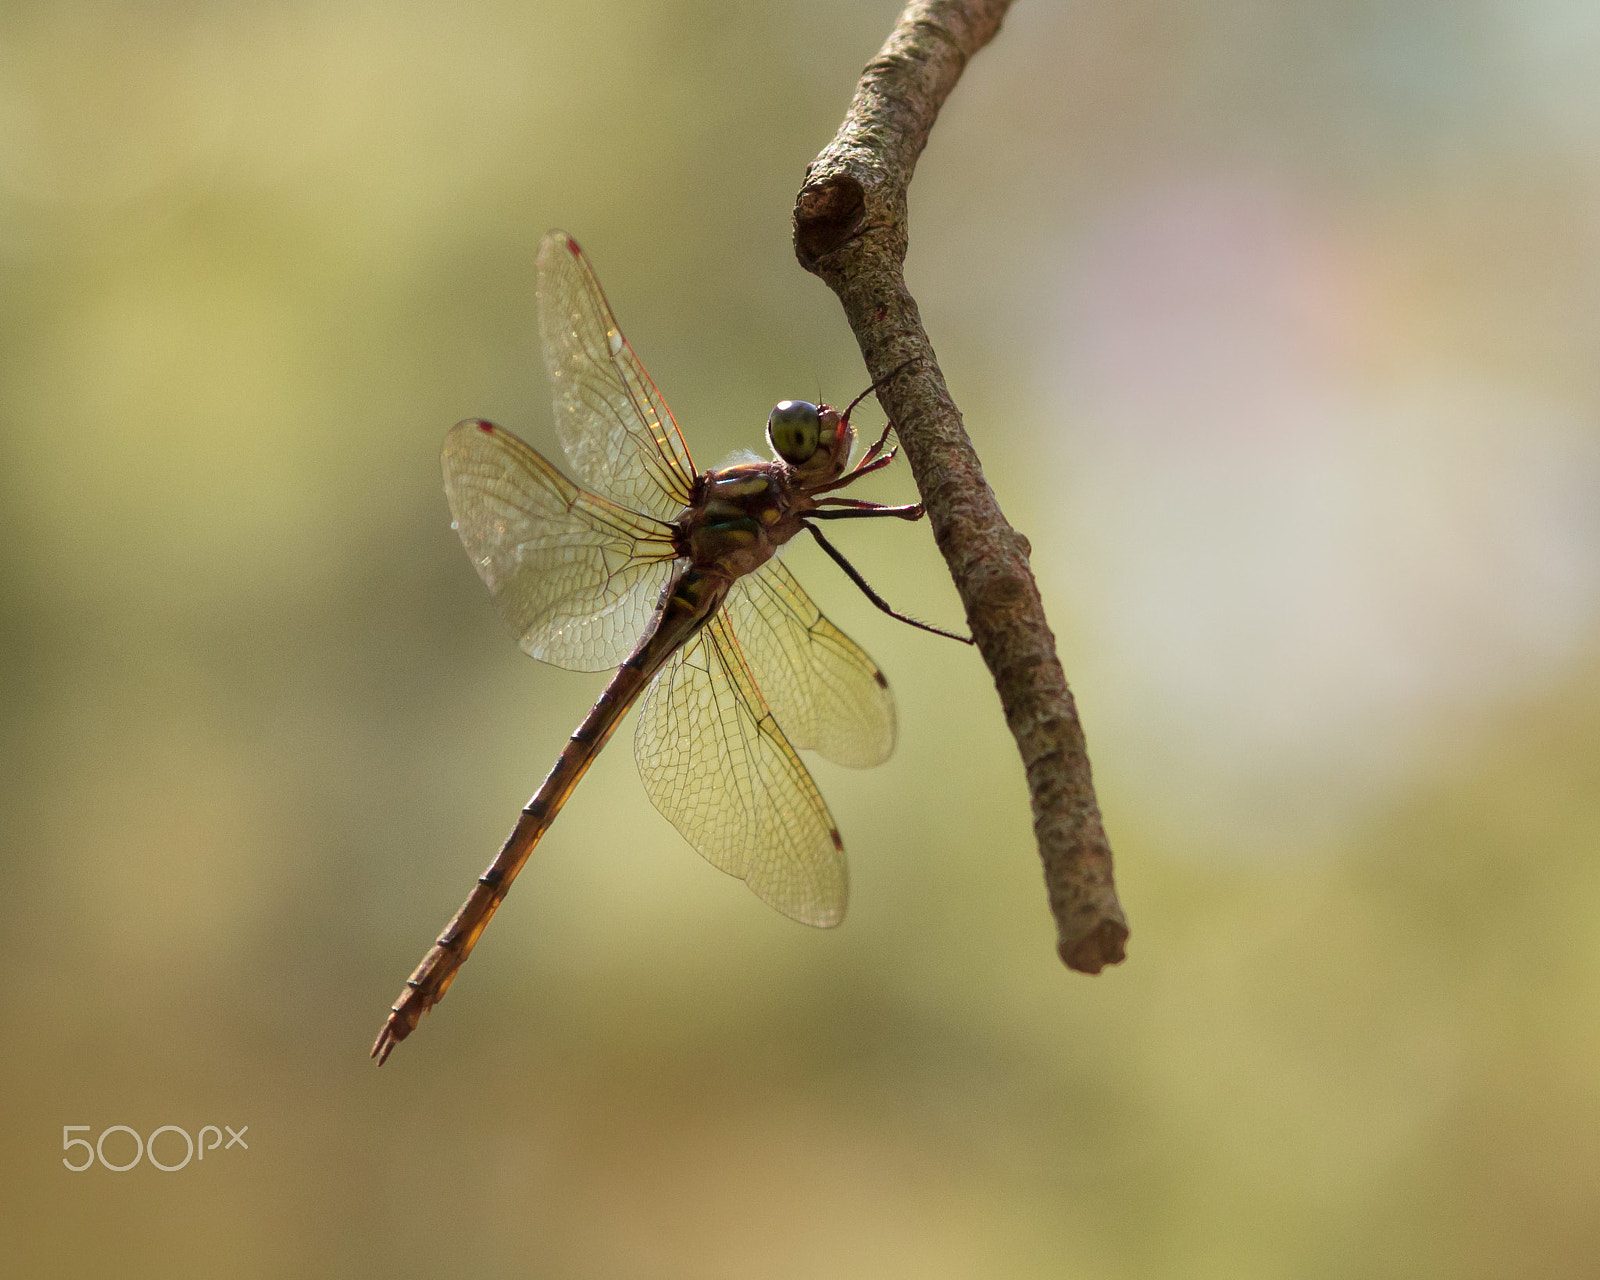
(687, 604)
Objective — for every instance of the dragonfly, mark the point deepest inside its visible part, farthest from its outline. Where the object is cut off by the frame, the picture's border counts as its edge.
(668, 575)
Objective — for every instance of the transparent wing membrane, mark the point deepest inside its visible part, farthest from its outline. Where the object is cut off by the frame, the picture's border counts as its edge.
(826, 693)
(616, 429)
(575, 576)
(715, 762)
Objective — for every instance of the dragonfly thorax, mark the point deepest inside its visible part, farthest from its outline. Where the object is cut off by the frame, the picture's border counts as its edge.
(740, 516)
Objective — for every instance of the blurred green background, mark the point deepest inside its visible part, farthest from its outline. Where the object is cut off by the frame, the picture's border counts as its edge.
(1276, 327)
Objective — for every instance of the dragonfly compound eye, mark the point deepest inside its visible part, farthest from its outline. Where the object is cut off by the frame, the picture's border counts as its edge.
(793, 430)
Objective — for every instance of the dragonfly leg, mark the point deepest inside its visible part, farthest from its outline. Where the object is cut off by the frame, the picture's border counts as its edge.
(870, 461)
(854, 575)
(883, 381)
(865, 467)
(865, 510)
(877, 448)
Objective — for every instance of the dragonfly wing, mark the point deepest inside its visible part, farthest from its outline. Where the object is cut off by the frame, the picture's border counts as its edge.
(827, 694)
(575, 576)
(715, 762)
(616, 429)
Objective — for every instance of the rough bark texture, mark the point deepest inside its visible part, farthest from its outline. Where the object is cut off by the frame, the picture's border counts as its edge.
(850, 229)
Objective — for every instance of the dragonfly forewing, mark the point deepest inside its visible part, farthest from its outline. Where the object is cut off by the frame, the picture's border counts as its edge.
(614, 425)
(575, 576)
(716, 764)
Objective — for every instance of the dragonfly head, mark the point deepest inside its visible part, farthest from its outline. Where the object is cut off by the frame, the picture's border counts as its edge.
(813, 439)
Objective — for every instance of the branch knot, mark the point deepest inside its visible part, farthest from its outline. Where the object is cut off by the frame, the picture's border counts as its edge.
(826, 215)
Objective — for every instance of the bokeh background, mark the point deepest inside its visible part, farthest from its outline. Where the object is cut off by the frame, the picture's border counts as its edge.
(1276, 326)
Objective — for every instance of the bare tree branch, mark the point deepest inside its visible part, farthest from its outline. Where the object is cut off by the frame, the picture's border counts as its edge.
(850, 229)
